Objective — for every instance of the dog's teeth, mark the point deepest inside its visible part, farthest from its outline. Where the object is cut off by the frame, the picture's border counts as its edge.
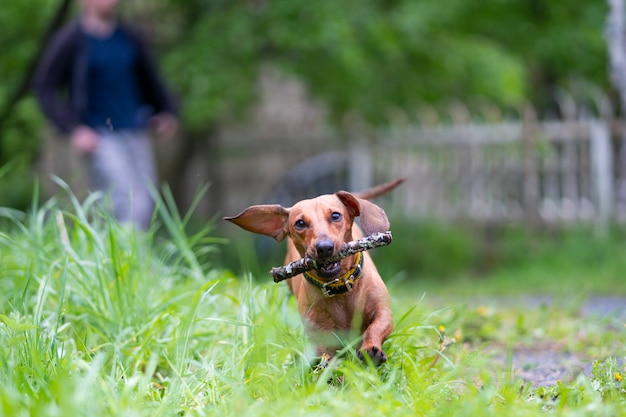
(329, 266)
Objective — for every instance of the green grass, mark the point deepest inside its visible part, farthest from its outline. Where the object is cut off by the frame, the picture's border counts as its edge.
(98, 319)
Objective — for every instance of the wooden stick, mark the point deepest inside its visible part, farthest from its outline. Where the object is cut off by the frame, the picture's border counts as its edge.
(294, 268)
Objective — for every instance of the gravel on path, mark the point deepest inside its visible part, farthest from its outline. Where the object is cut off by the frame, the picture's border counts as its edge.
(546, 364)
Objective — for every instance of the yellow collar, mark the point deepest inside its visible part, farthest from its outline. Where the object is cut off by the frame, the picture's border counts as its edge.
(340, 285)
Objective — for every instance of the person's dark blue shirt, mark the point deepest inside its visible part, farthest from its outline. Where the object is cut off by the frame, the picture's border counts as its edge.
(114, 101)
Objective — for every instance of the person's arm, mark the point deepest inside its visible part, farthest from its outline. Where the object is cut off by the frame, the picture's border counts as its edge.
(165, 120)
(53, 77)
(152, 86)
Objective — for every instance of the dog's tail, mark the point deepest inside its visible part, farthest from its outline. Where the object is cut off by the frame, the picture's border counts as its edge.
(379, 190)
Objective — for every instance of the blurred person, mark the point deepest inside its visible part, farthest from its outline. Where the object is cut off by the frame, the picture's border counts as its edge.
(97, 83)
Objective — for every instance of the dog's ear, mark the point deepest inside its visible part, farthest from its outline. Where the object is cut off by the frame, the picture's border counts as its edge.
(373, 218)
(270, 220)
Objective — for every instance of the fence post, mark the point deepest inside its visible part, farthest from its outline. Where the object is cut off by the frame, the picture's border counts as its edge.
(602, 171)
(531, 180)
(568, 161)
(360, 164)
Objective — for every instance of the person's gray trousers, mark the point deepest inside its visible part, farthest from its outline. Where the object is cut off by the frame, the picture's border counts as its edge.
(123, 167)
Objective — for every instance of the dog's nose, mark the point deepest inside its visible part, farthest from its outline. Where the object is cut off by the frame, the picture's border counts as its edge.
(324, 248)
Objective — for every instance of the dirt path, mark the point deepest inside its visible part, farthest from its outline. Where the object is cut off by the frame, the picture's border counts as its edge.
(547, 363)
(543, 367)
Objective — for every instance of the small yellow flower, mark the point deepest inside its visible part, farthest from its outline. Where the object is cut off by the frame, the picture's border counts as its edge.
(618, 377)
(442, 329)
(482, 311)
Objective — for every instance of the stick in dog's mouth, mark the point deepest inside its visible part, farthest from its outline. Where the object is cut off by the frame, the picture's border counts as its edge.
(292, 269)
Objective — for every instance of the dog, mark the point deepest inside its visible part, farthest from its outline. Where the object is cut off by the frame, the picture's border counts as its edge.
(342, 299)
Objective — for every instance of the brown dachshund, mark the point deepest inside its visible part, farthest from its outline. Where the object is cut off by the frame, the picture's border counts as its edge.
(337, 300)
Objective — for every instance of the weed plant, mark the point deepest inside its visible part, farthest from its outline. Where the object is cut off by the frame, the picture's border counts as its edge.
(99, 319)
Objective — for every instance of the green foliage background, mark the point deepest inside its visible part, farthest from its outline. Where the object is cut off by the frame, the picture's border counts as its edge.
(368, 57)
(359, 57)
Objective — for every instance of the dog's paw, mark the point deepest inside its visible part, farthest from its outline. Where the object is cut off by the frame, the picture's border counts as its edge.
(375, 354)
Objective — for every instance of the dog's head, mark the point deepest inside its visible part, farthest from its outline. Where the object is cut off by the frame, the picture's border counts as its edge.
(318, 227)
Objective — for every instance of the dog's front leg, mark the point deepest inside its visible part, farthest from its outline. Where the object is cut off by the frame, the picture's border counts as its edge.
(374, 335)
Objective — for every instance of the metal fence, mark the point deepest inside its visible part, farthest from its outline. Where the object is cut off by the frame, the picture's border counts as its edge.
(556, 170)
(549, 170)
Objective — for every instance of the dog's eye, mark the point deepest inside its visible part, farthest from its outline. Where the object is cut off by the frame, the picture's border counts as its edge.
(299, 224)
(335, 216)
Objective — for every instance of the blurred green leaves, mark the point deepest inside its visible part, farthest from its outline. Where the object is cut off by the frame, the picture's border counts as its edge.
(362, 57)
(367, 57)
(358, 57)
(21, 25)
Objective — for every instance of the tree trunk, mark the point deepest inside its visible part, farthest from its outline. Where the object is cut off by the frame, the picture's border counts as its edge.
(616, 41)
